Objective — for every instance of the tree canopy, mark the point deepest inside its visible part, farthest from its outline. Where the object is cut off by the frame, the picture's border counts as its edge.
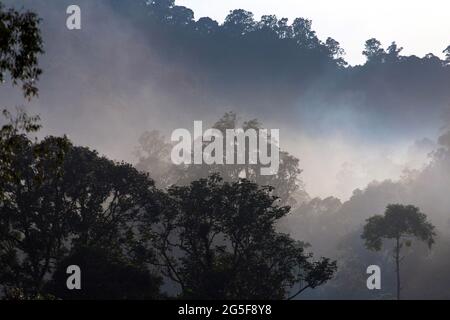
(62, 204)
(217, 240)
(398, 222)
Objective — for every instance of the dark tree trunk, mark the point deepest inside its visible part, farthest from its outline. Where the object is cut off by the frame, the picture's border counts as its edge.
(397, 266)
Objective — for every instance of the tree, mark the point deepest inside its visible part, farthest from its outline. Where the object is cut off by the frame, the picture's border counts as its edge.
(181, 16)
(56, 198)
(206, 25)
(217, 240)
(373, 51)
(160, 9)
(34, 217)
(399, 223)
(104, 276)
(154, 157)
(335, 51)
(284, 31)
(286, 182)
(239, 22)
(303, 33)
(393, 53)
(269, 22)
(447, 55)
(107, 197)
(20, 46)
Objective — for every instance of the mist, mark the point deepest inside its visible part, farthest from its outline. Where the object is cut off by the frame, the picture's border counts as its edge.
(366, 136)
(105, 85)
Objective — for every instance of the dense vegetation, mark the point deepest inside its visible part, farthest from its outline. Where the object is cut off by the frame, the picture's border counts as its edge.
(206, 231)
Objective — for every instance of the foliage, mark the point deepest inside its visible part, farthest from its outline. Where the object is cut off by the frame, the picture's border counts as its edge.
(56, 198)
(398, 222)
(105, 275)
(154, 157)
(217, 240)
(20, 46)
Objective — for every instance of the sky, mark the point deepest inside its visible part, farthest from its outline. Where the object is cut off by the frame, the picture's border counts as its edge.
(419, 26)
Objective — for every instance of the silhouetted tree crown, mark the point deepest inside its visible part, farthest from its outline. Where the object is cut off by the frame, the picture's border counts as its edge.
(153, 154)
(56, 198)
(400, 223)
(217, 240)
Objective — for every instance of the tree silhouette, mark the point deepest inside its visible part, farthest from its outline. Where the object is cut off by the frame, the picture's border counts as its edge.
(217, 240)
(303, 34)
(34, 218)
(239, 22)
(373, 51)
(63, 205)
(20, 46)
(399, 223)
(105, 275)
(57, 198)
(335, 51)
(393, 53)
(286, 182)
(447, 55)
(154, 157)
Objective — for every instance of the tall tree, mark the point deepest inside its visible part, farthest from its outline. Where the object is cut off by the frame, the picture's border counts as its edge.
(217, 240)
(35, 217)
(154, 157)
(56, 199)
(399, 223)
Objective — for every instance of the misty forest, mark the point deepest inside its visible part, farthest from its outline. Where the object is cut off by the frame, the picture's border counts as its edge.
(86, 176)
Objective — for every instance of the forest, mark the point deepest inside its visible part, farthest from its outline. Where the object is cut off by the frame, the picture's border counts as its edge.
(86, 177)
